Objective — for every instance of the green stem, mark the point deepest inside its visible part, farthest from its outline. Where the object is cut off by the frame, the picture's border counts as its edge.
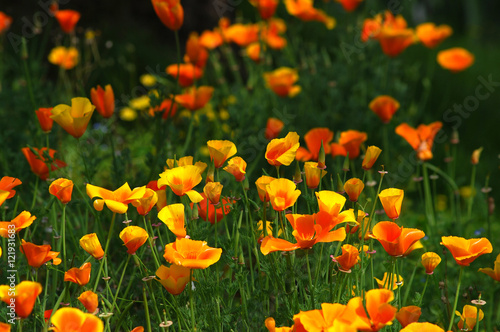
(191, 300)
(423, 291)
(64, 236)
(146, 308)
(120, 283)
(429, 210)
(471, 198)
(456, 299)
(313, 304)
(35, 192)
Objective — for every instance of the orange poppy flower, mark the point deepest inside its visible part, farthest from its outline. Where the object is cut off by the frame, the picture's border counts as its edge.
(242, 34)
(396, 240)
(455, 59)
(307, 230)
(23, 296)
(5, 22)
(314, 138)
(104, 100)
(187, 73)
(138, 329)
(313, 174)
(160, 192)
(220, 151)
(420, 139)
(170, 13)
(353, 187)
(167, 106)
(395, 41)
(469, 317)
(173, 216)
(118, 200)
(253, 52)
(146, 202)
(274, 127)
(431, 35)
(282, 151)
(63, 57)
(182, 180)
(420, 327)
(191, 254)
(495, 272)
(195, 51)
(7, 183)
(332, 203)
(338, 150)
(371, 156)
(430, 260)
(211, 39)
(351, 140)
(385, 107)
(67, 19)
(173, 278)
(195, 98)
(90, 243)
(474, 159)
(4, 327)
(38, 163)
(397, 281)
(328, 318)
(62, 189)
(89, 300)
(187, 160)
(43, 115)
(237, 167)
(75, 118)
(392, 199)
(282, 194)
(466, 251)
(349, 257)
(39, 255)
(212, 191)
(408, 315)
(282, 81)
(23, 220)
(80, 276)
(266, 8)
(222, 210)
(304, 10)
(133, 238)
(271, 33)
(261, 185)
(350, 5)
(73, 319)
(270, 324)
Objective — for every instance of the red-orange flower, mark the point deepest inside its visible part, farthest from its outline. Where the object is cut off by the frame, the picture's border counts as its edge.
(133, 238)
(353, 187)
(173, 278)
(220, 150)
(5, 22)
(7, 183)
(396, 240)
(455, 59)
(349, 257)
(420, 139)
(80, 276)
(73, 319)
(420, 327)
(469, 318)
(237, 167)
(495, 272)
(222, 210)
(43, 115)
(408, 315)
(274, 127)
(282, 194)
(313, 174)
(187, 73)
(89, 300)
(466, 251)
(23, 296)
(282, 81)
(385, 107)
(160, 192)
(351, 140)
(90, 243)
(182, 180)
(62, 189)
(145, 203)
(350, 5)
(266, 8)
(431, 35)
(304, 10)
(38, 162)
(67, 19)
(23, 220)
(395, 41)
(242, 34)
(195, 98)
(195, 51)
(103, 100)
(211, 39)
(282, 151)
(314, 138)
(191, 254)
(170, 13)
(39, 255)
(371, 156)
(75, 118)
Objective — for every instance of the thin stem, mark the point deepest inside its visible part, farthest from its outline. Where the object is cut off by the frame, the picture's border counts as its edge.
(191, 301)
(313, 305)
(146, 308)
(423, 291)
(456, 299)
(64, 236)
(471, 198)
(120, 283)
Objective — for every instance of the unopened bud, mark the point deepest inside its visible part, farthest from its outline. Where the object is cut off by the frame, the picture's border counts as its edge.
(321, 157)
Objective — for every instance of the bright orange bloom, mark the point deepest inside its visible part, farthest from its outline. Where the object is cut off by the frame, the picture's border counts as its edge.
(314, 138)
(118, 200)
(170, 13)
(329, 318)
(474, 159)
(469, 318)
(67, 19)
(430, 260)
(73, 319)
(408, 315)
(62, 189)
(353, 187)
(313, 174)
(307, 230)
(66, 58)
(173, 216)
(7, 183)
(282, 81)
(351, 140)
(282, 151)
(89, 300)
(350, 5)
(431, 35)
(282, 194)
(421, 327)
(466, 251)
(220, 151)
(187, 160)
(371, 156)
(5, 22)
(396, 240)
(195, 51)
(4, 327)
(138, 329)
(211, 39)
(38, 162)
(222, 210)
(23, 220)
(75, 118)
(146, 202)
(392, 199)
(338, 150)
(253, 52)
(167, 106)
(495, 272)
(39, 255)
(173, 278)
(274, 127)
(187, 73)
(271, 33)
(397, 281)
(212, 191)
(242, 34)
(182, 180)
(332, 203)
(395, 41)
(104, 100)
(43, 115)
(191, 254)
(455, 59)
(270, 324)
(304, 10)
(420, 139)
(349, 257)
(237, 167)
(266, 8)
(385, 107)
(90, 243)
(80, 276)
(160, 192)
(195, 98)
(261, 185)
(133, 238)
(24, 296)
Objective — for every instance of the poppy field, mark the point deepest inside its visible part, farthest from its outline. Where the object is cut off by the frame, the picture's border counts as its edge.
(298, 166)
